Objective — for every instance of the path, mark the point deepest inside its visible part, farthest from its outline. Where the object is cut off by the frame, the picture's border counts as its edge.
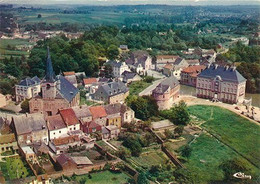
(149, 89)
(113, 147)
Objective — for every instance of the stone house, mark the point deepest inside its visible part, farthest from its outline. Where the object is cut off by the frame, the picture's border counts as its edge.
(83, 113)
(166, 92)
(27, 88)
(71, 77)
(112, 92)
(168, 69)
(8, 143)
(110, 132)
(99, 115)
(126, 113)
(189, 75)
(91, 127)
(140, 62)
(56, 93)
(88, 82)
(179, 65)
(220, 83)
(30, 129)
(162, 60)
(2, 100)
(129, 77)
(118, 68)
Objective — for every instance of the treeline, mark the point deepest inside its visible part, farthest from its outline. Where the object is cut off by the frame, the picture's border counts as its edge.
(248, 59)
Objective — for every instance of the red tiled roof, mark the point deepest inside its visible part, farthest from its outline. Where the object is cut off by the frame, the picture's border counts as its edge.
(194, 69)
(69, 73)
(89, 81)
(98, 111)
(168, 66)
(69, 116)
(92, 124)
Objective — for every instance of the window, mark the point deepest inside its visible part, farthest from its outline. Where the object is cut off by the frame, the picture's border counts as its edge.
(59, 131)
(53, 133)
(74, 128)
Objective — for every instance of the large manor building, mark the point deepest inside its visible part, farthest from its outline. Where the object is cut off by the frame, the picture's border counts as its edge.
(220, 83)
(56, 93)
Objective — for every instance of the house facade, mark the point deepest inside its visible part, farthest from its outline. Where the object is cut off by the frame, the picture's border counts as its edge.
(8, 143)
(220, 83)
(27, 88)
(56, 93)
(189, 75)
(71, 77)
(166, 92)
(162, 60)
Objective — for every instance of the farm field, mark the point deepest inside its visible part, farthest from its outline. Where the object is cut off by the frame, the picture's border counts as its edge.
(232, 129)
(5, 43)
(103, 177)
(14, 168)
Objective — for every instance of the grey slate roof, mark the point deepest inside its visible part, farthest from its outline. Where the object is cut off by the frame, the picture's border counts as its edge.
(226, 74)
(66, 89)
(30, 81)
(170, 82)
(113, 88)
(29, 123)
(128, 75)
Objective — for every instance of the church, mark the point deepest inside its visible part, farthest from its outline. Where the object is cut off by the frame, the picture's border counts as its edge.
(56, 93)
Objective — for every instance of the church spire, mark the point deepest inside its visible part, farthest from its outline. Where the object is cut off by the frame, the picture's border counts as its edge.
(49, 70)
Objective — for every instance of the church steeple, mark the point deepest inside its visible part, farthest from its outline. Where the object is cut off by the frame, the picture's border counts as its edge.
(49, 77)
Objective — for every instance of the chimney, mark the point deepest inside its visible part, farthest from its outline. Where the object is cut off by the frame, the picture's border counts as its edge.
(234, 68)
(226, 67)
(208, 66)
(216, 66)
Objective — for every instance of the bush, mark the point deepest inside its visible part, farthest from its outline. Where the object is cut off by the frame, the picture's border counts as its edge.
(25, 106)
(186, 151)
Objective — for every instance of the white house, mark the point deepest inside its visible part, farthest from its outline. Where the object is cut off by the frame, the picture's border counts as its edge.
(27, 88)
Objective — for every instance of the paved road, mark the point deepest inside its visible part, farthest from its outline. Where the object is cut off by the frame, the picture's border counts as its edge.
(148, 90)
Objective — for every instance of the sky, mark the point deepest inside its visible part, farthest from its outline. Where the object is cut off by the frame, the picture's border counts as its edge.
(128, 2)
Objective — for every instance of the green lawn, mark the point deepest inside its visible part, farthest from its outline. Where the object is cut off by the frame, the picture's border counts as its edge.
(15, 168)
(136, 87)
(104, 177)
(234, 130)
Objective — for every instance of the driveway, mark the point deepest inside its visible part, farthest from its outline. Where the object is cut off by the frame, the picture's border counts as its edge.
(149, 89)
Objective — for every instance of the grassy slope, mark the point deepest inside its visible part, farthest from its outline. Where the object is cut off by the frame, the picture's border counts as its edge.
(232, 129)
(136, 87)
(105, 177)
(14, 42)
(208, 153)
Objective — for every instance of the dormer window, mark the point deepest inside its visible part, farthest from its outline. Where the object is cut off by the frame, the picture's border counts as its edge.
(48, 86)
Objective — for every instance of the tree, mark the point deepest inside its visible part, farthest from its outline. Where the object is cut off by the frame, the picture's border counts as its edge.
(25, 105)
(108, 71)
(142, 179)
(178, 130)
(112, 52)
(133, 143)
(123, 153)
(233, 166)
(168, 134)
(186, 151)
(180, 114)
